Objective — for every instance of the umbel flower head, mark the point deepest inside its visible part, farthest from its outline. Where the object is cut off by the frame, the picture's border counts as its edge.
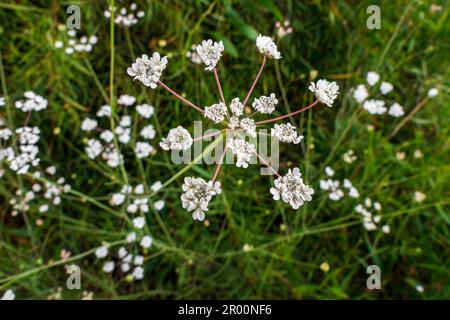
(291, 189)
(210, 53)
(267, 47)
(197, 194)
(325, 91)
(148, 70)
(177, 139)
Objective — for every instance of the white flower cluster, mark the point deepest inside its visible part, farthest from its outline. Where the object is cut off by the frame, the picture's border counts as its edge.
(197, 195)
(349, 156)
(73, 44)
(33, 102)
(125, 17)
(242, 150)
(370, 221)
(210, 53)
(267, 47)
(217, 112)
(325, 91)
(265, 104)
(193, 55)
(2, 101)
(148, 70)
(291, 189)
(377, 106)
(177, 139)
(8, 295)
(286, 133)
(137, 201)
(284, 29)
(336, 193)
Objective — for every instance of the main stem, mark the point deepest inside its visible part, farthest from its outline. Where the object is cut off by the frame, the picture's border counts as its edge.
(180, 97)
(218, 85)
(254, 82)
(216, 172)
(287, 115)
(267, 164)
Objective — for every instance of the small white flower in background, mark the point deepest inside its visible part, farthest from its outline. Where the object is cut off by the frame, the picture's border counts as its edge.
(101, 252)
(193, 55)
(2, 101)
(117, 199)
(131, 237)
(145, 110)
(433, 92)
(51, 170)
(107, 136)
(197, 195)
(124, 16)
(333, 186)
(247, 247)
(352, 191)
(419, 196)
(349, 156)
(386, 87)
(369, 221)
(125, 121)
(360, 94)
(138, 260)
(372, 78)
(89, 124)
(236, 107)
(418, 154)
(83, 44)
(148, 132)
(286, 133)
(375, 107)
(143, 149)
(8, 295)
(108, 267)
(126, 100)
(248, 125)
(291, 189)
(159, 205)
(217, 112)
(329, 171)
(386, 229)
(138, 273)
(325, 91)
(146, 242)
(139, 222)
(177, 139)
(267, 47)
(396, 110)
(104, 111)
(33, 102)
(419, 288)
(265, 104)
(43, 208)
(122, 252)
(148, 70)
(400, 155)
(242, 150)
(156, 186)
(210, 53)
(283, 30)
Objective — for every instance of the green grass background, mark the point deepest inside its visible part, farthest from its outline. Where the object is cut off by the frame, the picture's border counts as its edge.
(190, 260)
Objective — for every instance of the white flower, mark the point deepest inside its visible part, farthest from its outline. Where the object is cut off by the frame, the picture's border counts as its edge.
(249, 126)
(101, 252)
(89, 124)
(146, 242)
(138, 260)
(237, 108)
(148, 71)
(291, 189)
(117, 199)
(59, 44)
(145, 110)
(108, 267)
(375, 107)
(326, 92)
(126, 100)
(210, 53)
(131, 237)
(8, 295)
(43, 208)
(433, 92)
(419, 196)
(122, 252)
(94, 148)
(138, 273)
(386, 229)
(243, 151)
(33, 102)
(396, 110)
(143, 149)
(104, 111)
(265, 104)
(217, 112)
(2, 101)
(139, 222)
(349, 156)
(193, 55)
(267, 47)
(360, 94)
(419, 288)
(197, 194)
(159, 205)
(156, 186)
(286, 133)
(372, 78)
(386, 87)
(332, 186)
(352, 191)
(329, 171)
(107, 136)
(177, 139)
(148, 132)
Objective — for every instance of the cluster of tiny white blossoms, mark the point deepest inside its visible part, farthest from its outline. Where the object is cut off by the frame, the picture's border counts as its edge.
(335, 191)
(377, 106)
(283, 29)
(349, 156)
(135, 199)
(32, 102)
(193, 55)
(105, 147)
(73, 44)
(8, 295)
(124, 16)
(370, 221)
(197, 192)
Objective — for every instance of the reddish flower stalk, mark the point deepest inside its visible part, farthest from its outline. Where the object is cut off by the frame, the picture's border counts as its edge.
(267, 164)
(254, 82)
(218, 85)
(207, 136)
(216, 172)
(287, 115)
(180, 97)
